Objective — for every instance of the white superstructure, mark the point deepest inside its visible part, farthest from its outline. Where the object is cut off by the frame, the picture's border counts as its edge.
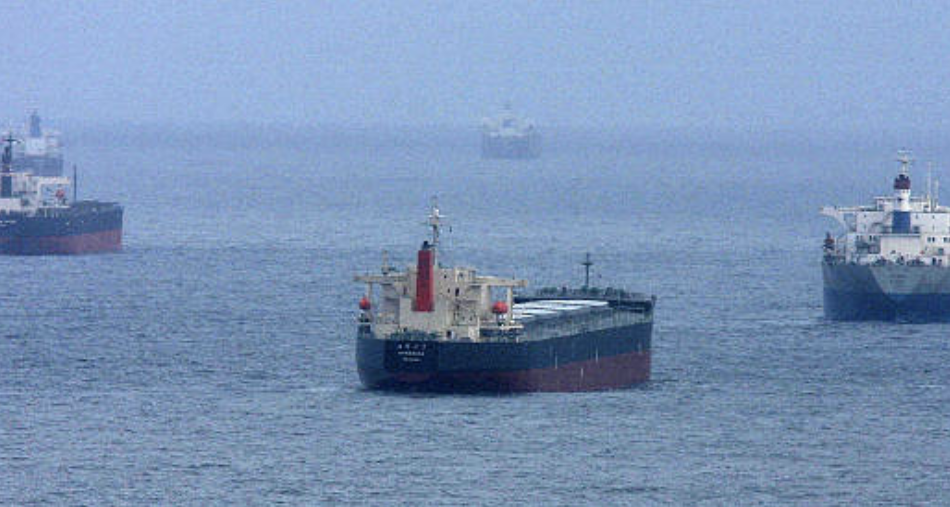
(508, 125)
(32, 193)
(39, 150)
(39, 141)
(436, 302)
(901, 228)
(24, 193)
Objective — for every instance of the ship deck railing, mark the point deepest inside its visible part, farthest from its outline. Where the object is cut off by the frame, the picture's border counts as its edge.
(486, 335)
(605, 294)
(881, 261)
(616, 298)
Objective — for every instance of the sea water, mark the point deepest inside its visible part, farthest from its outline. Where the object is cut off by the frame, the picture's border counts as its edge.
(212, 361)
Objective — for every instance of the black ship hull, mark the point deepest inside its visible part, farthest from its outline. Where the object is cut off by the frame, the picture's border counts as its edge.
(84, 227)
(597, 360)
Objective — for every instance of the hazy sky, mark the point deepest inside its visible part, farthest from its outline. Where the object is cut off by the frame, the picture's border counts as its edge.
(660, 64)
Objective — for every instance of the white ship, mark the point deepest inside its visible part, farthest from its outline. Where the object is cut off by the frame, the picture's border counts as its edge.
(893, 260)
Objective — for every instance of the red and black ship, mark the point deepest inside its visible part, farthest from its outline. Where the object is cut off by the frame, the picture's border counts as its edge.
(449, 329)
(37, 217)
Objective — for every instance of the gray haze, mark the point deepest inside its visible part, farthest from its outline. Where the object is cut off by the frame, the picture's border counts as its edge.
(764, 65)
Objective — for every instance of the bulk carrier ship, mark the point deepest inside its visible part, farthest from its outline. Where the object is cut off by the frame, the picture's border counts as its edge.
(449, 329)
(38, 218)
(893, 260)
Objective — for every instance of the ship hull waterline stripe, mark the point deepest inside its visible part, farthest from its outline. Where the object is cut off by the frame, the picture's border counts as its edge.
(608, 359)
(96, 242)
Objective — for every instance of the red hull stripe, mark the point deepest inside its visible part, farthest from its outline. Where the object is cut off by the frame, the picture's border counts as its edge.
(94, 242)
(612, 372)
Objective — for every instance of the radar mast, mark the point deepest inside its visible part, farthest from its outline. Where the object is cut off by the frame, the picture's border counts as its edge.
(587, 264)
(435, 222)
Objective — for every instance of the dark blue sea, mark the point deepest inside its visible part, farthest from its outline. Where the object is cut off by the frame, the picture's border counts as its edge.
(212, 362)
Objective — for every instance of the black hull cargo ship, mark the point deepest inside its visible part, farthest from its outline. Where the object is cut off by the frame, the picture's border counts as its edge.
(442, 329)
(36, 218)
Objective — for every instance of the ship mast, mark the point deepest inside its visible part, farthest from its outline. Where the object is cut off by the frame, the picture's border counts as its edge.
(587, 264)
(930, 186)
(6, 179)
(8, 151)
(435, 222)
(903, 156)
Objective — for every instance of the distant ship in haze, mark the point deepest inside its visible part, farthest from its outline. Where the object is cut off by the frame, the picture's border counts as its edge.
(509, 136)
(40, 151)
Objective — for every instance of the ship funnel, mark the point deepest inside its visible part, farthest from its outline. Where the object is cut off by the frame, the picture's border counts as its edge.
(901, 218)
(425, 278)
(425, 283)
(35, 129)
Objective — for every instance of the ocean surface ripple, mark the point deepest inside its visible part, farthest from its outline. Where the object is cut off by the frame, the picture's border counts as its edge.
(212, 361)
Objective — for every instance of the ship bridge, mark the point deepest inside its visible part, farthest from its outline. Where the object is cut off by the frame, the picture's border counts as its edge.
(432, 302)
(25, 193)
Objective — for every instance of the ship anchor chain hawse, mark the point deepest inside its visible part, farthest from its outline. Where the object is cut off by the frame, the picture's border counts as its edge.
(449, 329)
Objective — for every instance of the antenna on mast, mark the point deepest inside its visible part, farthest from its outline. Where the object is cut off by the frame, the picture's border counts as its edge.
(8, 142)
(903, 156)
(75, 183)
(386, 269)
(435, 221)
